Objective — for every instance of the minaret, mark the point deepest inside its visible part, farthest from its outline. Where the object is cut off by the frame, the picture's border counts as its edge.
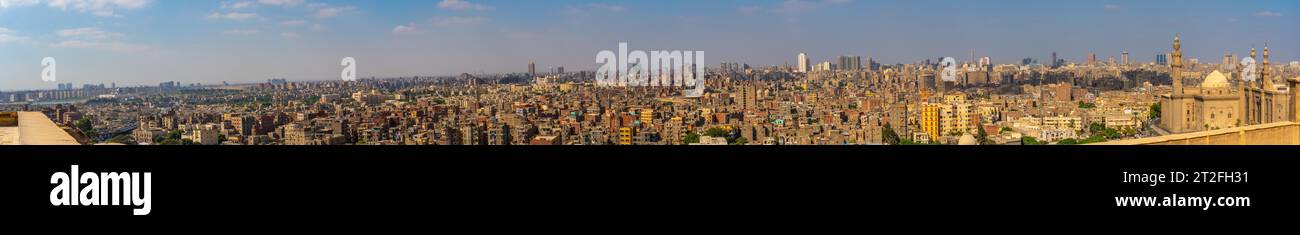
(1263, 71)
(1252, 111)
(1253, 58)
(1176, 63)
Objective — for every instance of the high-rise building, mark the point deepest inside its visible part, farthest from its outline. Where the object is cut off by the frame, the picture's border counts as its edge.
(1055, 61)
(850, 63)
(930, 120)
(532, 69)
(1162, 59)
(1125, 58)
(1229, 61)
(804, 63)
(1092, 59)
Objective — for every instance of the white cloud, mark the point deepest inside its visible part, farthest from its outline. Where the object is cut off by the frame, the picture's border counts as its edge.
(17, 3)
(98, 39)
(461, 5)
(87, 33)
(290, 35)
(458, 20)
(232, 16)
(236, 5)
(327, 11)
(319, 28)
(105, 8)
(240, 32)
(10, 36)
(293, 22)
(280, 2)
(1268, 14)
(405, 29)
(105, 46)
(792, 7)
(795, 7)
(594, 8)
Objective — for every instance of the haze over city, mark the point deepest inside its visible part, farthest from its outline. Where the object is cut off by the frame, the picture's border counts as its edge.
(143, 42)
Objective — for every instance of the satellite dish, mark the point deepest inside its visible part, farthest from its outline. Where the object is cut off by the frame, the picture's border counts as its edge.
(1248, 69)
(949, 66)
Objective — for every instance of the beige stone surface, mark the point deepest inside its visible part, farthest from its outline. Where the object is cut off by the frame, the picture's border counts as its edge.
(35, 129)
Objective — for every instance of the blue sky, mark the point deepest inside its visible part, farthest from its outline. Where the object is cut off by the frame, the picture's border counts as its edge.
(133, 42)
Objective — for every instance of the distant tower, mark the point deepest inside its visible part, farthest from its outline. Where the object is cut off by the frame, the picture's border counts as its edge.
(532, 69)
(1092, 58)
(1176, 65)
(803, 63)
(1263, 70)
(1125, 58)
(1253, 58)
(1053, 63)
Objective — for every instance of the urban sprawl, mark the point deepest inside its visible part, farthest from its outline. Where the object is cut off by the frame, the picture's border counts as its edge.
(843, 101)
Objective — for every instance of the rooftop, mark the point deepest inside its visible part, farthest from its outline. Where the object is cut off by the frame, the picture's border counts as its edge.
(35, 128)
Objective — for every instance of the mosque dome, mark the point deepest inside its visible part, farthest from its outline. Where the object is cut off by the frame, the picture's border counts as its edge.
(1215, 80)
(968, 139)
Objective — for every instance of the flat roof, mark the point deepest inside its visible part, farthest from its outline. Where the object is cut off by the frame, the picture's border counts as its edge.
(34, 128)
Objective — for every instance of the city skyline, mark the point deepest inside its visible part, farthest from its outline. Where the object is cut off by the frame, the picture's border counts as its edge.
(144, 42)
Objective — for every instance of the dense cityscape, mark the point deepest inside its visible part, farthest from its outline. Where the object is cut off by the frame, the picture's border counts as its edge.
(841, 101)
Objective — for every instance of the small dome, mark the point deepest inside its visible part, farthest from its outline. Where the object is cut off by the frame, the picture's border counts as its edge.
(968, 139)
(1215, 80)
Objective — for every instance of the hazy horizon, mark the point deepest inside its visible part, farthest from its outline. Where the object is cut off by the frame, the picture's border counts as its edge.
(144, 42)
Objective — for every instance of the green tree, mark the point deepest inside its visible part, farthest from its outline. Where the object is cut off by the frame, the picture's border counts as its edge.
(1111, 134)
(1005, 129)
(1096, 127)
(123, 139)
(691, 138)
(956, 133)
(1068, 142)
(740, 141)
(84, 125)
(983, 137)
(1093, 139)
(1029, 140)
(1154, 112)
(890, 137)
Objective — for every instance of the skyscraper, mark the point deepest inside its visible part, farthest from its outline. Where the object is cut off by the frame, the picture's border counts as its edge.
(532, 69)
(1125, 59)
(850, 62)
(804, 63)
(1162, 59)
(1054, 61)
(1092, 58)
